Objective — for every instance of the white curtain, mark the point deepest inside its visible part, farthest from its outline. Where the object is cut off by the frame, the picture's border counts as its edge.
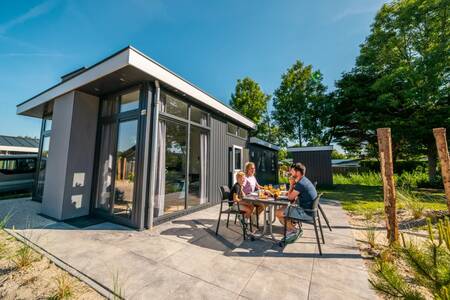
(203, 167)
(161, 181)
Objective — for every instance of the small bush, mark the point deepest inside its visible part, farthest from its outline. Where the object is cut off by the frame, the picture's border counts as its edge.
(371, 235)
(64, 289)
(427, 267)
(24, 257)
(411, 202)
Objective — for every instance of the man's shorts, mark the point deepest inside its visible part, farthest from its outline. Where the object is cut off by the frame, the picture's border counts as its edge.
(297, 213)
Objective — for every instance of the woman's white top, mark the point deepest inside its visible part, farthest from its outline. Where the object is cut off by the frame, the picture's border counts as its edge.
(250, 184)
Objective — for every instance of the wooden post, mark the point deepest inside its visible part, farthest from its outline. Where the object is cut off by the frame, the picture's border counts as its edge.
(442, 148)
(387, 175)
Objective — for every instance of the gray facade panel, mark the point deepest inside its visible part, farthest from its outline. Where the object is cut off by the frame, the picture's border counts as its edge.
(220, 143)
(318, 165)
(81, 156)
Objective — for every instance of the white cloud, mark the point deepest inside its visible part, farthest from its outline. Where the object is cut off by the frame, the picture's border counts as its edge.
(34, 12)
(359, 10)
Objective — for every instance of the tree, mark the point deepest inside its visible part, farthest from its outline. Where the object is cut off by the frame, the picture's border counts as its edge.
(298, 104)
(401, 80)
(251, 101)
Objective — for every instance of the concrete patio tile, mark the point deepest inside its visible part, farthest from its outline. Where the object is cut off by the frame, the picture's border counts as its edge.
(171, 284)
(269, 284)
(323, 291)
(340, 277)
(152, 247)
(218, 243)
(225, 272)
(250, 251)
(295, 259)
(181, 231)
(133, 271)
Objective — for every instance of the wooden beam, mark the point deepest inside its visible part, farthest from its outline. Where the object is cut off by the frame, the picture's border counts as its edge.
(387, 175)
(442, 149)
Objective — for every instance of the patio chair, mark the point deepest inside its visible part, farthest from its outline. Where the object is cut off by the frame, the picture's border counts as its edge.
(322, 212)
(312, 218)
(230, 210)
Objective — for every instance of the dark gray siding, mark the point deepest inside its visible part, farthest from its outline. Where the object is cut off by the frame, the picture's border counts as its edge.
(318, 165)
(266, 163)
(220, 143)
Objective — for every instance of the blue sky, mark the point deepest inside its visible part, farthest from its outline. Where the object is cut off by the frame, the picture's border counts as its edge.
(210, 43)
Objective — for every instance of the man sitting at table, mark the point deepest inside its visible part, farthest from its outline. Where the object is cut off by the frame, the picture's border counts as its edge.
(302, 189)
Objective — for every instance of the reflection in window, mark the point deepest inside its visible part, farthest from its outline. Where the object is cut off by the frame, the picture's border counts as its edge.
(47, 124)
(45, 146)
(199, 116)
(170, 187)
(243, 133)
(237, 158)
(173, 106)
(198, 167)
(232, 129)
(106, 161)
(129, 101)
(125, 169)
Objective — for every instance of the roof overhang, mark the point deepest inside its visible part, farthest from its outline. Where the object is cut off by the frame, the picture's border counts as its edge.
(257, 141)
(307, 149)
(124, 68)
(18, 149)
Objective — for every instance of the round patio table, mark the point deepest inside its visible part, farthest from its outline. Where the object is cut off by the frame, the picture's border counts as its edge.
(268, 204)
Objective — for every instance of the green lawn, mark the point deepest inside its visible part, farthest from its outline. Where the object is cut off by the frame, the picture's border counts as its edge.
(360, 198)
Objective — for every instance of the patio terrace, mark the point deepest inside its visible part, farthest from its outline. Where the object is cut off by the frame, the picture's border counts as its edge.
(184, 259)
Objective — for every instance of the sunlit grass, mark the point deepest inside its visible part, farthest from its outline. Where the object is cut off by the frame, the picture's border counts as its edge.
(359, 198)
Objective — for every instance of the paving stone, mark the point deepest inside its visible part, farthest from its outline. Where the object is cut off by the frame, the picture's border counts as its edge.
(269, 284)
(211, 267)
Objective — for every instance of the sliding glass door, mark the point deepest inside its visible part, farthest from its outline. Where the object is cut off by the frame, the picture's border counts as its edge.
(117, 156)
(182, 171)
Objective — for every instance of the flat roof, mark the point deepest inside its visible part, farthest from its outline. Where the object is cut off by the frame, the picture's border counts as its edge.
(126, 57)
(314, 148)
(255, 140)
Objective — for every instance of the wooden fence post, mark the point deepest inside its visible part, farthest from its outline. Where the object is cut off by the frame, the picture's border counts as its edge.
(387, 175)
(442, 148)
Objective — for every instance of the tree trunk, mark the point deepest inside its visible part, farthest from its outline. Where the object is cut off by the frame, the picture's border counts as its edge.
(299, 136)
(387, 175)
(432, 162)
(442, 149)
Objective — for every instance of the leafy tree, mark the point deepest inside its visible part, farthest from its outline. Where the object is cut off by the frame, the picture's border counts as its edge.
(401, 80)
(271, 132)
(251, 101)
(300, 105)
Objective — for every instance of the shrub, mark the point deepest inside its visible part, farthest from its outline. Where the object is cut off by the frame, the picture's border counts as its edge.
(411, 202)
(24, 257)
(64, 289)
(427, 266)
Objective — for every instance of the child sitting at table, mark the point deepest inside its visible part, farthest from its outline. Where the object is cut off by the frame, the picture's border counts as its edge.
(237, 195)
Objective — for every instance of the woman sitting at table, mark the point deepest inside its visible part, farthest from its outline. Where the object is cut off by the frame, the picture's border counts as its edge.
(237, 195)
(251, 184)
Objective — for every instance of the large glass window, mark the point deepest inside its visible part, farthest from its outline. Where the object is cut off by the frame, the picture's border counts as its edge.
(125, 168)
